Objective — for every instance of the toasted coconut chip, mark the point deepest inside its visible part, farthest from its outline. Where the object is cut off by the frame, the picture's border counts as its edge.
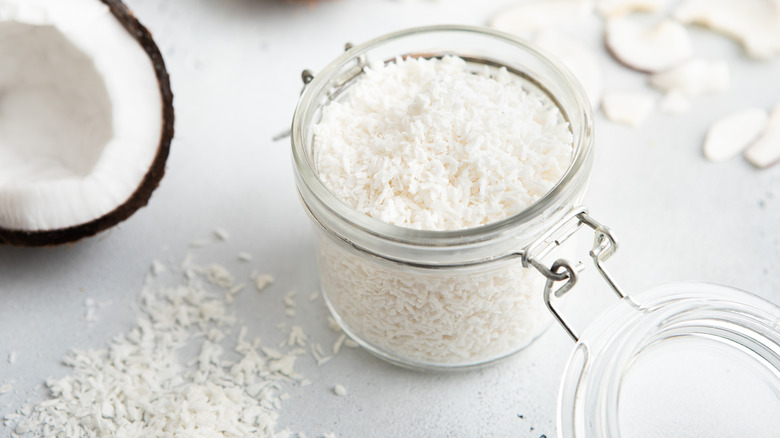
(528, 17)
(730, 135)
(675, 103)
(615, 8)
(629, 107)
(765, 151)
(754, 23)
(577, 58)
(694, 78)
(647, 48)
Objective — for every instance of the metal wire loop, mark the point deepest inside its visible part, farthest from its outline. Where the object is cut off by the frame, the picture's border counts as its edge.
(561, 267)
(604, 246)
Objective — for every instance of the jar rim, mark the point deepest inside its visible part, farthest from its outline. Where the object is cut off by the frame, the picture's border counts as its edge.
(307, 175)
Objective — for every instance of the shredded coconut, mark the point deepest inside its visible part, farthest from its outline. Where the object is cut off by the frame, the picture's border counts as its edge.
(12, 357)
(427, 144)
(199, 243)
(244, 256)
(339, 390)
(221, 234)
(451, 318)
(436, 144)
(263, 281)
(139, 385)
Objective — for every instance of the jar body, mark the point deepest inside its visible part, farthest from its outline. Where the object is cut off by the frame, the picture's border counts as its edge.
(431, 317)
(438, 299)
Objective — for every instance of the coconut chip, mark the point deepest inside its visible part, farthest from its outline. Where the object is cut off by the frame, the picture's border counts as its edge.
(754, 23)
(647, 48)
(694, 78)
(765, 151)
(730, 135)
(628, 107)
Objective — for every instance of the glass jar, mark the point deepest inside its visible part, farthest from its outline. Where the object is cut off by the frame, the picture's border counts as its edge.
(439, 299)
(688, 360)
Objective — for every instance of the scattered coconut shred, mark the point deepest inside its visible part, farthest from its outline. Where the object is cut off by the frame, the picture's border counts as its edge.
(141, 385)
(430, 144)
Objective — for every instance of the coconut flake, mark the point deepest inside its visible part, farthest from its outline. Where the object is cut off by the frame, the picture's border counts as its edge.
(730, 135)
(531, 16)
(219, 275)
(157, 267)
(647, 48)
(262, 281)
(693, 78)
(629, 107)
(139, 386)
(765, 151)
(579, 59)
(221, 234)
(244, 256)
(458, 148)
(198, 243)
(754, 23)
(339, 390)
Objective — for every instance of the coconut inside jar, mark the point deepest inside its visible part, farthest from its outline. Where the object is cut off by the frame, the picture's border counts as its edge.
(429, 144)
(428, 177)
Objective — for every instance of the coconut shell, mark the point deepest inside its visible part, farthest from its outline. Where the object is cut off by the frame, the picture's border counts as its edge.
(151, 180)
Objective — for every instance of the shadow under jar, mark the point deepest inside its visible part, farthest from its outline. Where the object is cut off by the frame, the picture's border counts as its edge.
(439, 299)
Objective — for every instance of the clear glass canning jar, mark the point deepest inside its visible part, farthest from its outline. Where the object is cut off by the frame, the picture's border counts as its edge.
(438, 299)
(688, 360)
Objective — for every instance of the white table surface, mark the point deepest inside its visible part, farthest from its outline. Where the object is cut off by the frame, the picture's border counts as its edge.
(235, 70)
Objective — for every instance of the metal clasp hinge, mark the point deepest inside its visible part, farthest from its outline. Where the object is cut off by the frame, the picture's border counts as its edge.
(604, 246)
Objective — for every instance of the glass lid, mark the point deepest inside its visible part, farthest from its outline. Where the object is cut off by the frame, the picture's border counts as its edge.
(684, 360)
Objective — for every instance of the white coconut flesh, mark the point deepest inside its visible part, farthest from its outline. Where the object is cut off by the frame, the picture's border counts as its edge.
(80, 113)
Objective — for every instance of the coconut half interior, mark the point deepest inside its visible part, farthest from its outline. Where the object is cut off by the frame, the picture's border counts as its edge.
(81, 114)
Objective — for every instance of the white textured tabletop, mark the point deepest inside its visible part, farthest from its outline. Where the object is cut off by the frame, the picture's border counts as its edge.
(235, 71)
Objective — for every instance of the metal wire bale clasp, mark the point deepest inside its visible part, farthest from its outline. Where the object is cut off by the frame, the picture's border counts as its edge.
(604, 246)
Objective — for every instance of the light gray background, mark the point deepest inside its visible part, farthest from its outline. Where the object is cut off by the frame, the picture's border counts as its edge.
(235, 67)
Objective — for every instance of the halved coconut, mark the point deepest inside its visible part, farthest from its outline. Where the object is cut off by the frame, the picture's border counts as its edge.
(647, 47)
(754, 23)
(86, 118)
